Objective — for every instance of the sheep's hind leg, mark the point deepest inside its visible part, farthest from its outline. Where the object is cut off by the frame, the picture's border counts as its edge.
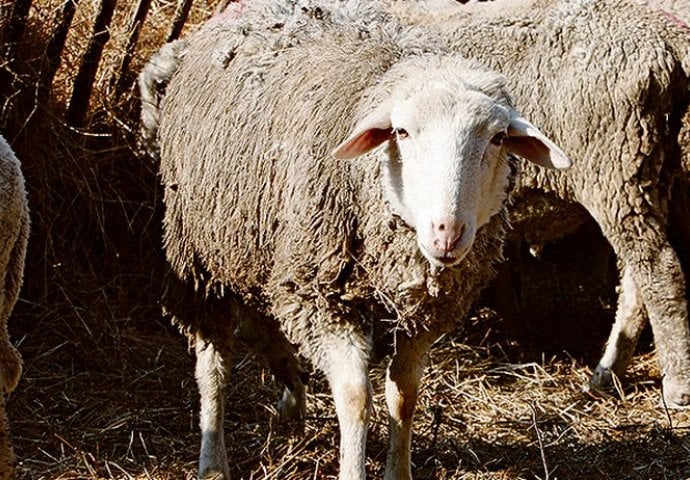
(10, 362)
(7, 458)
(292, 404)
(345, 360)
(657, 272)
(631, 317)
(663, 291)
(264, 336)
(212, 370)
(402, 387)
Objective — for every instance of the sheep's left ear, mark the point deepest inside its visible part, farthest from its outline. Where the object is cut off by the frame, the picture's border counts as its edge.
(528, 142)
(370, 132)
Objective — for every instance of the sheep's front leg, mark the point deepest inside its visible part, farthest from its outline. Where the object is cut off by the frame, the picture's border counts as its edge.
(346, 364)
(212, 370)
(402, 387)
(631, 317)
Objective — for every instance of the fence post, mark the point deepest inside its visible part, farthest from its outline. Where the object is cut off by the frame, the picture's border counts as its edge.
(51, 57)
(83, 83)
(181, 15)
(122, 79)
(12, 20)
(5, 16)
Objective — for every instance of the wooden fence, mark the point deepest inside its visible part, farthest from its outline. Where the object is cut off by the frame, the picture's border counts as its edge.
(14, 16)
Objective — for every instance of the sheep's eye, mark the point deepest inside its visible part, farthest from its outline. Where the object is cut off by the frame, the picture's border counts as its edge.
(498, 138)
(401, 133)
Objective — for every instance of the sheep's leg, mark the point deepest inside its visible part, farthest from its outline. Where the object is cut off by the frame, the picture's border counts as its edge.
(292, 404)
(345, 360)
(657, 272)
(212, 370)
(7, 458)
(287, 369)
(663, 292)
(263, 334)
(631, 317)
(10, 360)
(402, 387)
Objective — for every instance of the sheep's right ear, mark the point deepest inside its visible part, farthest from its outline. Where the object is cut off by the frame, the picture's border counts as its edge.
(370, 132)
(528, 142)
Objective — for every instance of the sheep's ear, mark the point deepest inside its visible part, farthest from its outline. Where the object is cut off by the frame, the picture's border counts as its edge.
(370, 132)
(528, 142)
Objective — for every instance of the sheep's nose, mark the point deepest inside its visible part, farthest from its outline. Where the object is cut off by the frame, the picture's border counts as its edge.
(447, 234)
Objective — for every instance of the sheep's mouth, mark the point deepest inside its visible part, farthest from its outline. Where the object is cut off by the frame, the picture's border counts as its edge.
(447, 260)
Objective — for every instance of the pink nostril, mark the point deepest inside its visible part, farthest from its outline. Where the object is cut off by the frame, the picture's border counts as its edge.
(447, 234)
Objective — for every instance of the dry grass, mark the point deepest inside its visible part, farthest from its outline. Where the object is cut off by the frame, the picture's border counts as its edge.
(156, 28)
(122, 404)
(108, 390)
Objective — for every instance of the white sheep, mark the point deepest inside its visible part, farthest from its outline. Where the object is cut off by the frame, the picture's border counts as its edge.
(14, 234)
(679, 10)
(668, 34)
(609, 81)
(261, 220)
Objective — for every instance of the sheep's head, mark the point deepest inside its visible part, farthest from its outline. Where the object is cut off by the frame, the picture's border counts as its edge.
(446, 171)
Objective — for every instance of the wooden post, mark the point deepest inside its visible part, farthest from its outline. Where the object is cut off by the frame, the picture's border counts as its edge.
(83, 83)
(51, 57)
(12, 21)
(5, 16)
(123, 78)
(181, 15)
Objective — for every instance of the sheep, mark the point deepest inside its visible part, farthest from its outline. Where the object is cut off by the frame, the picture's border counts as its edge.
(152, 80)
(611, 79)
(534, 221)
(679, 10)
(14, 234)
(261, 221)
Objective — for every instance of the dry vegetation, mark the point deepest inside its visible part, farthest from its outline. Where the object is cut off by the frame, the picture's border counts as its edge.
(108, 390)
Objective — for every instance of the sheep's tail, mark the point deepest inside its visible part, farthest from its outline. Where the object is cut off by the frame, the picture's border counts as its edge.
(152, 82)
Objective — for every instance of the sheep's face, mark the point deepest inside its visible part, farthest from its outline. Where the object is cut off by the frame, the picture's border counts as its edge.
(446, 172)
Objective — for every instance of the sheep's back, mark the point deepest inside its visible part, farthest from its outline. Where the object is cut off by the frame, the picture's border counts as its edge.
(678, 8)
(245, 156)
(599, 77)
